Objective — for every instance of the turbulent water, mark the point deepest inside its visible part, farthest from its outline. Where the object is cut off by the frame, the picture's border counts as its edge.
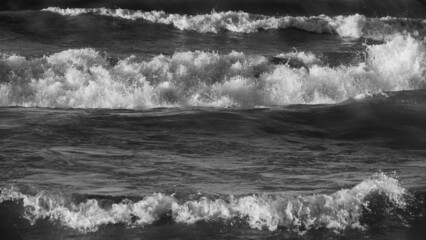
(213, 119)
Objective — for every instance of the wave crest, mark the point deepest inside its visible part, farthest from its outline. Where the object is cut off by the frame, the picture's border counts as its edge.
(84, 78)
(354, 26)
(339, 211)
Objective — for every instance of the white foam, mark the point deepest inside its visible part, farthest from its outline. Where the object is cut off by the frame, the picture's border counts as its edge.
(353, 26)
(82, 78)
(308, 58)
(340, 210)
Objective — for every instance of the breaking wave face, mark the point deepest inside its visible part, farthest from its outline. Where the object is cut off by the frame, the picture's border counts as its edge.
(85, 78)
(353, 26)
(344, 209)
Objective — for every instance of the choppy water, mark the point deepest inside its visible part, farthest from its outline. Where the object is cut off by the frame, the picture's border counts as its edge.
(221, 120)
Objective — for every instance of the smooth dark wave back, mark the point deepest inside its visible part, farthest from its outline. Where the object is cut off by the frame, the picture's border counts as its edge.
(360, 135)
(297, 171)
(376, 8)
(28, 33)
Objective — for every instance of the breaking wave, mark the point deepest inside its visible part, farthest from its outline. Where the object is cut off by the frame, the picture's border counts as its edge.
(347, 208)
(86, 78)
(353, 26)
(292, 7)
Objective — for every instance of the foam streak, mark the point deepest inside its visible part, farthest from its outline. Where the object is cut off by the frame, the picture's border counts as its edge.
(353, 26)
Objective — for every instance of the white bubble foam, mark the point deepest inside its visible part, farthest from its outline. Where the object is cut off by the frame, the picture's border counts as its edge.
(353, 26)
(82, 78)
(340, 210)
(307, 58)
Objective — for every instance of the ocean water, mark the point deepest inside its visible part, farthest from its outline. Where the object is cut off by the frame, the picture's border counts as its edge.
(275, 119)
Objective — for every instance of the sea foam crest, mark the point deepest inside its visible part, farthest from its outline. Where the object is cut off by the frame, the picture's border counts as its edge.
(338, 211)
(83, 78)
(354, 26)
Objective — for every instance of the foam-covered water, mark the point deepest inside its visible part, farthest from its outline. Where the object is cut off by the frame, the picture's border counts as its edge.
(292, 7)
(354, 26)
(212, 119)
(83, 78)
(340, 210)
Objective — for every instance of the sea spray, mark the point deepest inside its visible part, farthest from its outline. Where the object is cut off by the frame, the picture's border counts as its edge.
(83, 78)
(339, 211)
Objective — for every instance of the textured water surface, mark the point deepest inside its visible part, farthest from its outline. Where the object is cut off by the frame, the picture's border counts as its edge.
(221, 120)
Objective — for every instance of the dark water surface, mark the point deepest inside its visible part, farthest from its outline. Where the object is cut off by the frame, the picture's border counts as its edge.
(272, 122)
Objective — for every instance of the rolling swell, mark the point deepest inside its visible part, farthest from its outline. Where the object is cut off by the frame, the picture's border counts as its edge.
(353, 26)
(189, 138)
(364, 206)
(374, 8)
